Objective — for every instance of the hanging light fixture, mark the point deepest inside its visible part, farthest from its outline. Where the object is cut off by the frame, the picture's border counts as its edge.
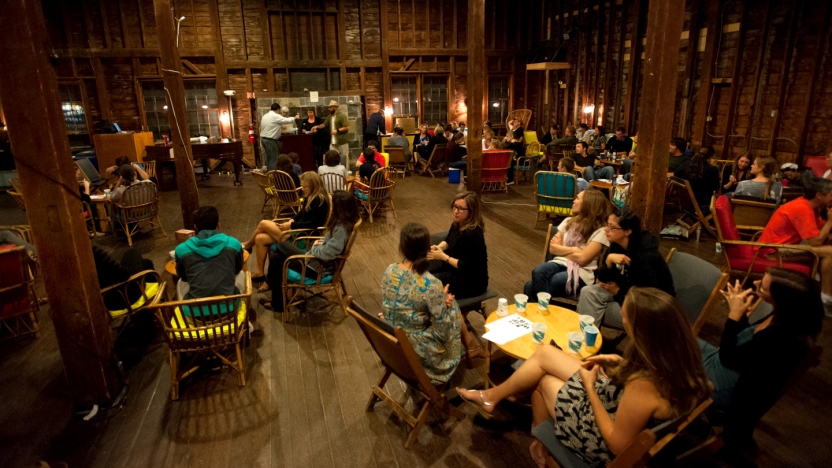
(496, 104)
(388, 111)
(589, 109)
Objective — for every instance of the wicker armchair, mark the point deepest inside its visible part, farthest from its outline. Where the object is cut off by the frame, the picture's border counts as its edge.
(334, 182)
(139, 202)
(137, 284)
(266, 184)
(524, 115)
(379, 190)
(287, 196)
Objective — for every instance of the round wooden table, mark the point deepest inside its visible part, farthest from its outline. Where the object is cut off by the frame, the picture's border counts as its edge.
(170, 267)
(559, 323)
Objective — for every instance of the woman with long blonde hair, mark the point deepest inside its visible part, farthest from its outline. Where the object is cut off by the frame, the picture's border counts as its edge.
(763, 185)
(576, 247)
(598, 414)
(312, 214)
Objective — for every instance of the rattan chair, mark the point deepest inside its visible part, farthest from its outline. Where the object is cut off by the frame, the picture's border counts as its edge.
(378, 192)
(137, 284)
(297, 287)
(431, 164)
(197, 328)
(524, 115)
(495, 164)
(287, 196)
(334, 182)
(266, 184)
(139, 202)
(18, 302)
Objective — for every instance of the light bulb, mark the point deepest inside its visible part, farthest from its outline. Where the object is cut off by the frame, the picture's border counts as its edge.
(204, 107)
(395, 99)
(165, 107)
(224, 117)
(388, 111)
(588, 109)
(496, 104)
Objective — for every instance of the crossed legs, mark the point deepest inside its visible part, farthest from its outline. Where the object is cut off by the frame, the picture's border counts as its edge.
(266, 234)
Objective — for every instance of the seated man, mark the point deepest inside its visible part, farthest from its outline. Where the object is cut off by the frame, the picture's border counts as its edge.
(210, 262)
(678, 155)
(568, 139)
(129, 176)
(586, 159)
(567, 166)
(115, 171)
(799, 221)
(621, 143)
(378, 158)
(369, 162)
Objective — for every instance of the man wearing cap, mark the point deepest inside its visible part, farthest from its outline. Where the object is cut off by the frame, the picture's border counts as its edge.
(270, 128)
(792, 174)
(338, 127)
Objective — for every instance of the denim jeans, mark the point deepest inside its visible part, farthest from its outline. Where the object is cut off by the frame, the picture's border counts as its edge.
(549, 277)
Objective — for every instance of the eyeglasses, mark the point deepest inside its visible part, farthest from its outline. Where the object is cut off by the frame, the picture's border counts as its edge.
(611, 228)
(456, 207)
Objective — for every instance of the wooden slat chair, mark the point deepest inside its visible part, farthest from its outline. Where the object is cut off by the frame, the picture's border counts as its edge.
(431, 165)
(637, 454)
(495, 164)
(287, 196)
(18, 302)
(398, 159)
(555, 193)
(744, 258)
(556, 153)
(752, 215)
(196, 328)
(17, 193)
(692, 215)
(136, 284)
(334, 182)
(698, 284)
(140, 202)
(378, 192)
(399, 359)
(266, 184)
(722, 165)
(297, 287)
(149, 168)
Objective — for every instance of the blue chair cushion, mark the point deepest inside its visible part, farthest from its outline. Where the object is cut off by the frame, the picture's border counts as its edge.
(294, 277)
(364, 196)
(566, 458)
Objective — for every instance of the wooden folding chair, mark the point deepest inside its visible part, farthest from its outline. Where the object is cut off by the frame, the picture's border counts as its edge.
(197, 328)
(692, 216)
(399, 359)
(287, 196)
(398, 159)
(140, 202)
(430, 165)
(149, 168)
(752, 215)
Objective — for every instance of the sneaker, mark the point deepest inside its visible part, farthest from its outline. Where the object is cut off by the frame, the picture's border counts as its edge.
(510, 183)
(827, 307)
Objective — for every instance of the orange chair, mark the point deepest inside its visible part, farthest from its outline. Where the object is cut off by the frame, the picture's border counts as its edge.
(495, 164)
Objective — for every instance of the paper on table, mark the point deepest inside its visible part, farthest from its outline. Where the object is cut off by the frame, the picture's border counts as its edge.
(97, 197)
(506, 329)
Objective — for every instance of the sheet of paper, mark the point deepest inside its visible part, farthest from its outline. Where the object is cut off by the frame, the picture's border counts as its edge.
(507, 329)
(513, 318)
(313, 96)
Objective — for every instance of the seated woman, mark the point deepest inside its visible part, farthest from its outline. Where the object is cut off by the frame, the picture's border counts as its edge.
(456, 156)
(738, 173)
(461, 259)
(338, 230)
(762, 186)
(420, 144)
(415, 300)
(601, 405)
(703, 177)
(551, 135)
(576, 246)
(755, 361)
(114, 171)
(312, 215)
(633, 259)
(284, 164)
(398, 139)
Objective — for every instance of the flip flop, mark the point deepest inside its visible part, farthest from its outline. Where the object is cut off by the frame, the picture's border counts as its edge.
(480, 406)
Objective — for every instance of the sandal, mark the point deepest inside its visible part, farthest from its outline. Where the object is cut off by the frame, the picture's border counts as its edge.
(264, 288)
(480, 406)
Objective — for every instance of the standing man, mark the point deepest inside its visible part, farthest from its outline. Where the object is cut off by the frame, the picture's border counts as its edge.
(375, 125)
(270, 128)
(338, 126)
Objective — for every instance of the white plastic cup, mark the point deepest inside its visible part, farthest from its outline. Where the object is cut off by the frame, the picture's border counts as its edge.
(591, 334)
(538, 332)
(576, 339)
(502, 307)
(543, 300)
(520, 301)
(586, 321)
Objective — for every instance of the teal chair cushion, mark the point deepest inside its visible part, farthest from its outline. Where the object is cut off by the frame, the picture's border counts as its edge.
(294, 277)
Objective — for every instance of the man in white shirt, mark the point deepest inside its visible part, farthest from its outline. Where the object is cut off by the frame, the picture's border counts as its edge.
(270, 128)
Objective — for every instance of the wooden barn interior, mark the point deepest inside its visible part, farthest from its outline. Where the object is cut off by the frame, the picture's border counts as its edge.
(741, 76)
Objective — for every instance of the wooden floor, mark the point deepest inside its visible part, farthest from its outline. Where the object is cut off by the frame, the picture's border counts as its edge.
(309, 380)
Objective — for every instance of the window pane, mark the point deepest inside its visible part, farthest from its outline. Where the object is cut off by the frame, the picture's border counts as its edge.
(498, 97)
(72, 106)
(200, 101)
(405, 100)
(435, 100)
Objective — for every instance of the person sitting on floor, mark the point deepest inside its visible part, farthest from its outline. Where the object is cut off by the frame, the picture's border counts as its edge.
(754, 362)
(294, 157)
(332, 164)
(338, 231)
(703, 177)
(129, 177)
(312, 215)
(633, 259)
(210, 262)
(284, 164)
(462, 259)
(738, 173)
(762, 186)
(110, 272)
(414, 299)
(599, 406)
(576, 246)
(567, 166)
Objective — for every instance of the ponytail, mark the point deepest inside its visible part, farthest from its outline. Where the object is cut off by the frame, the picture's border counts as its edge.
(420, 265)
(414, 243)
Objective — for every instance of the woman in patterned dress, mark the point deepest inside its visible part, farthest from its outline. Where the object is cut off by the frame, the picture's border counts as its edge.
(601, 405)
(415, 300)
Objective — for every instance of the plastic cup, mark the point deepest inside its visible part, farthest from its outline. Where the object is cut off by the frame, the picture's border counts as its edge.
(543, 300)
(586, 321)
(591, 334)
(520, 301)
(502, 307)
(172, 254)
(576, 339)
(106, 191)
(538, 332)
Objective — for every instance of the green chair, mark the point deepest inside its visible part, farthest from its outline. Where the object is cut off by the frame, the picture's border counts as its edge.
(555, 193)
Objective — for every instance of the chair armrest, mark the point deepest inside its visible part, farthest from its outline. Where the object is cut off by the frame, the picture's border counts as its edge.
(805, 248)
(135, 278)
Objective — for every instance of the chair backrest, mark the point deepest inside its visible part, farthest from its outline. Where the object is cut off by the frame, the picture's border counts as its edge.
(524, 115)
(816, 163)
(393, 348)
(15, 281)
(382, 182)
(556, 191)
(495, 164)
(264, 181)
(752, 215)
(438, 154)
(396, 155)
(550, 232)
(790, 193)
(334, 182)
(285, 189)
(214, 322)
(687, 200)
(149, 168)
(698, 284)
(727, 230)
(530, 137)
(139, 201)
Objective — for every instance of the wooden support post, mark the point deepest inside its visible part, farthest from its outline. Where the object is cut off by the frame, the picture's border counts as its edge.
(703, 96)
(631, 103)
(659, 88)
(29, 91)
(177, 113)
(475, 95)
(622, 35)
(386, 82)
(101, 89)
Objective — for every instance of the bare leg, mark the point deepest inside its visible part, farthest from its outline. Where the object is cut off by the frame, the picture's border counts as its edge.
(825, 254)
(474, 349)
(547, 360)
(264, 227)
(543, 407)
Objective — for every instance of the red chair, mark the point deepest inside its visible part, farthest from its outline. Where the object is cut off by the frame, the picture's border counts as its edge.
(495, 164)
(744, 258)
(816, 163)
(18, 303)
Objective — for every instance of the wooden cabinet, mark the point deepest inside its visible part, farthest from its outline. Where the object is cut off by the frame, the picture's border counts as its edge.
(108, 147)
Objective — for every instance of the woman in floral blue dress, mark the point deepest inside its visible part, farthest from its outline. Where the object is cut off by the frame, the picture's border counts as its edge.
(416, 301)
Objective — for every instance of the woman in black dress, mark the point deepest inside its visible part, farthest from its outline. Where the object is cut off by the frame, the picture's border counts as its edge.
(313, 125)
(463, 254)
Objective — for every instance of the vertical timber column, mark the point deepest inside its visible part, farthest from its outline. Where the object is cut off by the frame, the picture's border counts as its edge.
(29, 89)
(177, 113)
(474, 94)
(658, 95)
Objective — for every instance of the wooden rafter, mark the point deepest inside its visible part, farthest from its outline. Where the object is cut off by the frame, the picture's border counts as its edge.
(791, 35)
(735, 80)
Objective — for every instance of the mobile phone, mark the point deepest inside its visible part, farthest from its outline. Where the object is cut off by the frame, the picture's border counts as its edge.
(552, 342)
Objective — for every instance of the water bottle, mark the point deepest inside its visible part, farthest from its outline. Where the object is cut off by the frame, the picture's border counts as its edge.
(718, 247)
(698, 232)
